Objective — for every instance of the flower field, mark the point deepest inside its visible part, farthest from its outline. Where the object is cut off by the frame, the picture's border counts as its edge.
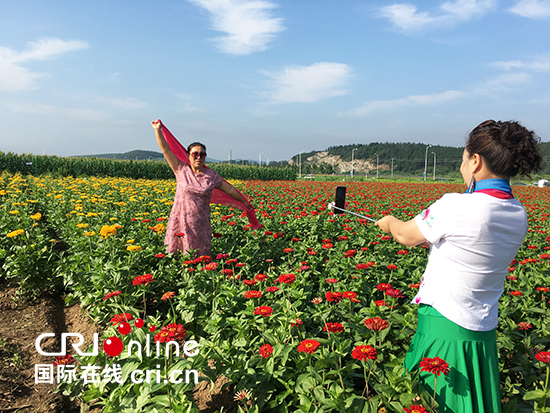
(309, 313)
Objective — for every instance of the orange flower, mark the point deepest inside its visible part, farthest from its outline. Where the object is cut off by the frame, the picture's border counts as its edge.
(168, 295)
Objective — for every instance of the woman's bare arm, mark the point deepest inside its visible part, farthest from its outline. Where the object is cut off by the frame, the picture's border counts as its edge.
(404, 232)
(167, 152)
(233, 193)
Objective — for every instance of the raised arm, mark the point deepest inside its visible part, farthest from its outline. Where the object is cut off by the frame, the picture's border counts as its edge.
(404, 232)
(168, 154)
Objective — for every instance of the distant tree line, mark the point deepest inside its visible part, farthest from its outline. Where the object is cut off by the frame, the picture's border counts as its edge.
(408, 158)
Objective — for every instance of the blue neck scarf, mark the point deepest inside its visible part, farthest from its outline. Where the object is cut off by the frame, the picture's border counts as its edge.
(494, 183)
(492, 186)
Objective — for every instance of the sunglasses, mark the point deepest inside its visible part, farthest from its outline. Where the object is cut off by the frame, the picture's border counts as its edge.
(198, 155)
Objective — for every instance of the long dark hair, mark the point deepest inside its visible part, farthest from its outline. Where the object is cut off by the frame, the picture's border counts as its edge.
(507, 147)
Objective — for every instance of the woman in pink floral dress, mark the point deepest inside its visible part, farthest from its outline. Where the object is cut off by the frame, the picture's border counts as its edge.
(189, 223)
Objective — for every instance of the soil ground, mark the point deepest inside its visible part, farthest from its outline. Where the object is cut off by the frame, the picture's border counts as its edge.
(22, 323)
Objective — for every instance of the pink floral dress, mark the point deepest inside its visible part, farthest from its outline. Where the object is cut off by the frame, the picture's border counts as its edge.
(190, 214)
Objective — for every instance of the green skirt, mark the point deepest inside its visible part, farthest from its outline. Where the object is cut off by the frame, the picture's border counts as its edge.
(473, 382)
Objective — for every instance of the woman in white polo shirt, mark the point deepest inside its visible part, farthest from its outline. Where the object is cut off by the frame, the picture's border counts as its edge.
(473, 238)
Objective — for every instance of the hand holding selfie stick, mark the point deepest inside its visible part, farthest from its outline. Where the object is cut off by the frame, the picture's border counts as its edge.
(340, 202)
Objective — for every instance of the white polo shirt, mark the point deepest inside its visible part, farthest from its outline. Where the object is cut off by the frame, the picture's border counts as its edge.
(474, 238)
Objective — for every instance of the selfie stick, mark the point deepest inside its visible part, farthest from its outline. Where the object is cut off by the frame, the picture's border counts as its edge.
(332, 206)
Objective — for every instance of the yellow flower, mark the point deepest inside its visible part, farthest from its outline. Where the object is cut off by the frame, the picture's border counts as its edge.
(159, 228)
(215, 213)
(15, 233)
(112, 219)
(91, 214)
(2, 192)
(130, 241)
(36, 216)
(107, 230)
(14, 212)
(89, 233)
(81, 225)
(133, 248)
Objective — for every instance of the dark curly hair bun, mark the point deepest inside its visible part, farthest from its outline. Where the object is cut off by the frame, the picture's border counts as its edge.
(508, 148)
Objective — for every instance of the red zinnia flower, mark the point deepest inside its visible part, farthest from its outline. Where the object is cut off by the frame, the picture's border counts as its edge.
(227, 271)
(260, 277)
(122, 317)
(212, 266)
(434, 365)
(252, 294)
(350, 253)
(402, 252)
(266, 351)
(160, 255)
(288, 250)
(415, 408)
(350, 295)
(516, 293)
(524, 325)
(332, 280)
(364, 352)
(392, 267)
(170, 332)
(113, 294)
(545, 289)
(64, 360)
(327, 246)
(336, 297)
(179, 234)
(376, 324)
(272, 289)
(383, 287)
(334, 327)
(286, 278)
(364, 266)
(296, 322)
(380, 303)
(143, 279)
(308, 346)
(168, 295)
(394, 292)
(263, 310)
(543, 356)
(217, 235)
(249, 282)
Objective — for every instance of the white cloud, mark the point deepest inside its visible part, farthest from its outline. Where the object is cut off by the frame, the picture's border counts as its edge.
(413, 100)
(533, 9)
(538, 64)
(248, 24)
(307, 84)
(15, 77)
(407, 18)
(501, 83)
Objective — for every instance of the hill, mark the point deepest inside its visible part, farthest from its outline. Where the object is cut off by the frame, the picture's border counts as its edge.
(401, 158)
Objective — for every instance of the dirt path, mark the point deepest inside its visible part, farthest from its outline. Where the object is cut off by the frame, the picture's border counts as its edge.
(21, 324)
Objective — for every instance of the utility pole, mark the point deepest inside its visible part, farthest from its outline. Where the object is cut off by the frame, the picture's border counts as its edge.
(376, 165)
(352, 151)
(391, 168)
(426, 162)
(435, 157)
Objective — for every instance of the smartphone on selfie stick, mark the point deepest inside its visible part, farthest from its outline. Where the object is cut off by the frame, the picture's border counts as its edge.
(340, 202)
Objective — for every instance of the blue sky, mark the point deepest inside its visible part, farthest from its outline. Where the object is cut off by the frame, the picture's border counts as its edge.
(270, 77)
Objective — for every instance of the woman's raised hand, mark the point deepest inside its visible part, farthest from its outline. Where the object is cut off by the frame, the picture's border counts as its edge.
(156, 124)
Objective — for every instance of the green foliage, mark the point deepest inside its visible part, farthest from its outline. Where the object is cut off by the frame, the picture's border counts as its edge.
(136, 169)
(213, 300)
